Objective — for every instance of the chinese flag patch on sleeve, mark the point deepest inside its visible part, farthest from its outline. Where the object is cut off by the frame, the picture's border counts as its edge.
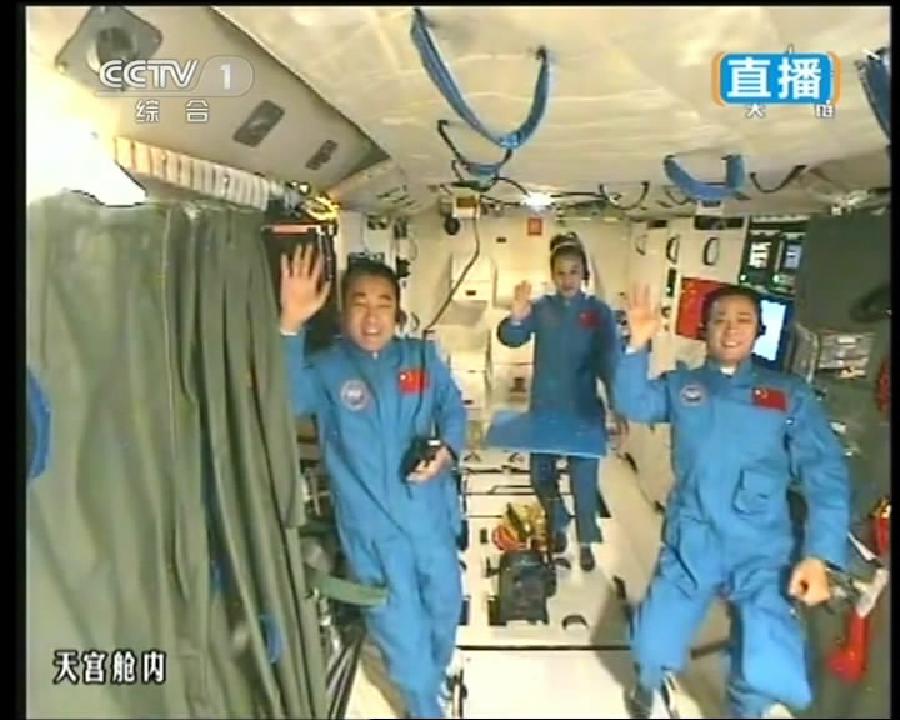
(771, 398)
(413, 381)
(589, 319)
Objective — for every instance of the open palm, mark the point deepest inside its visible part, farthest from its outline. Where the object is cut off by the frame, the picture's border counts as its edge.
(302, 293)
(643, 316)
(521, 304)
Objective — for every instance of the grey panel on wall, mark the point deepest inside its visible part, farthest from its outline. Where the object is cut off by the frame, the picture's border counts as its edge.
(844, 257)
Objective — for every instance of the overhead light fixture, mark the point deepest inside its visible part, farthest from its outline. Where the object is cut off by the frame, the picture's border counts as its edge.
(537, 200)
(322, 155)
(259, 124)
(301, 188)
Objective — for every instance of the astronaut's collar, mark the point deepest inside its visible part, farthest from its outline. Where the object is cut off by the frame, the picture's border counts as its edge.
(387, 354)
(742, 374)
(563, 300)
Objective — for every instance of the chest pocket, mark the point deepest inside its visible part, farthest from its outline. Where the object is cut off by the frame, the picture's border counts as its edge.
(548, 319)
(766, 422)
(570, 334)
(759, 492)
(760, 425)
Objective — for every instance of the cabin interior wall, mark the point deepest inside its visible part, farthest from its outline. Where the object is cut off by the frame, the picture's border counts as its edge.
(844, 258)
(520, 255)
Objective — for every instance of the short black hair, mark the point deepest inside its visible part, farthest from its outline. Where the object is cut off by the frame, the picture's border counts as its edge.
(731, 291)
(367, 267)
(567, 245)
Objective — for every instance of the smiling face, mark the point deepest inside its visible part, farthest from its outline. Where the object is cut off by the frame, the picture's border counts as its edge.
(731, 329)
(370, 311)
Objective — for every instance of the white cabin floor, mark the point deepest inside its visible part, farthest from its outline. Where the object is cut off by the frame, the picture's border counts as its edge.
(572, 681)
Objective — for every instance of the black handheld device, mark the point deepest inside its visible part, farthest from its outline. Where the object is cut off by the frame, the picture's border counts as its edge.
(423, 449)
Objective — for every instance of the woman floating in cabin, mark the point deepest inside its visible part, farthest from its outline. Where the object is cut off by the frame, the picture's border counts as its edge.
(743, 435)
(575, 343)
(398, 524)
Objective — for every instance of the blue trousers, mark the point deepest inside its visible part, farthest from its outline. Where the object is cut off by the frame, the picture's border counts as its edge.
(583, 477)
(415, 630)
(768, 662)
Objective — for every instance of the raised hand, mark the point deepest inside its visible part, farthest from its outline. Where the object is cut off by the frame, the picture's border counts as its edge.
(521, 304)
(643, 316)
(301, 296)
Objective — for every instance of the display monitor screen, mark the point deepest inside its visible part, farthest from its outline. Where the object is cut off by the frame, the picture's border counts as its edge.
(792, 257)
(759, 254)
(775, 317)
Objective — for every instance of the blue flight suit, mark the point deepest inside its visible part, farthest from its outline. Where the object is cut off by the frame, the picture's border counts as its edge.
(395, 533)
(739, 443)
(576, 342)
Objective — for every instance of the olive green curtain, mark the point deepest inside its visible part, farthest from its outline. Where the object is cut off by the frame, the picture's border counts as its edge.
(162, 511)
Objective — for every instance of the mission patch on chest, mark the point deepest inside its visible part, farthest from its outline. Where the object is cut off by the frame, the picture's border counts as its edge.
(693, 395)
(354, 395)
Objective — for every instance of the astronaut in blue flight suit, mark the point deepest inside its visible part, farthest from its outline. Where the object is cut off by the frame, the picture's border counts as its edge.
(575, 344)
(742, 436)
(371, 395)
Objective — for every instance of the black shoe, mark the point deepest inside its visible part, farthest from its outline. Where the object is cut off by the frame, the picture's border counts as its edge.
(643, 704)
(559, 543)
(639, 703)
(586, 558)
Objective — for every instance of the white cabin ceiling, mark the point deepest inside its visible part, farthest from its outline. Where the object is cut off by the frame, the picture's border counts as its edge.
(200, 33)
(629, 85)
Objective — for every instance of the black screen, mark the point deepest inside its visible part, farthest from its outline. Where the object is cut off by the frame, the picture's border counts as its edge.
(324, 325)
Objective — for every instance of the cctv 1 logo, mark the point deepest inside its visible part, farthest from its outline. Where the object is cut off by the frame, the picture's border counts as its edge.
(221, 76)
